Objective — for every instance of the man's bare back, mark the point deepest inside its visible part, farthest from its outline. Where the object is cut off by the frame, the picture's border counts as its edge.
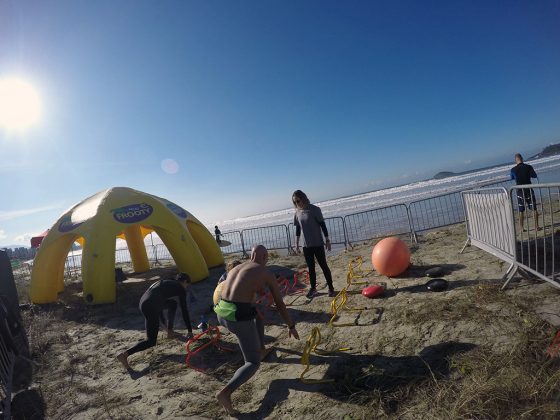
(244, 281)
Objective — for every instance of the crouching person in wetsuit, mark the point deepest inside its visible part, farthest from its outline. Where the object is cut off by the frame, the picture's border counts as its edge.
(236, 312)
(163, 294)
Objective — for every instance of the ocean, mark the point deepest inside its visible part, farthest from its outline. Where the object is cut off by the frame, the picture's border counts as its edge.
(548, 171)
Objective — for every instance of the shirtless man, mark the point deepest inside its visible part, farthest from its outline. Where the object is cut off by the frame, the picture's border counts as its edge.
(236, 312)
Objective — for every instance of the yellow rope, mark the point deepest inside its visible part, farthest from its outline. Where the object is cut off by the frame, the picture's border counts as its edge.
(313, 341)
(311, 346)
(338, 304)
(358, 260)
(352, 275)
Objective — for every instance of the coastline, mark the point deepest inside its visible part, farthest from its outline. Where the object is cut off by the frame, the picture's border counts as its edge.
(405, 193)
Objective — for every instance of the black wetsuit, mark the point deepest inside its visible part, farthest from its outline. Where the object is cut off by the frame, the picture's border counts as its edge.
(522, 174)
(161, 295)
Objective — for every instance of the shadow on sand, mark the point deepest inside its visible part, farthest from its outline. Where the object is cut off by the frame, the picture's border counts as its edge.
(354, 373)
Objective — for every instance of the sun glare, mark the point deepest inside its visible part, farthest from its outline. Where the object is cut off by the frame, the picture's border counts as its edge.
(20, 106)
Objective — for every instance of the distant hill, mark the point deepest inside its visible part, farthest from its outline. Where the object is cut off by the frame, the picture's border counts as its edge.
(553, 149)
(444, 174)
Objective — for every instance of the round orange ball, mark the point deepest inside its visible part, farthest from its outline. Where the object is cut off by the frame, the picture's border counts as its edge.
(390, 257)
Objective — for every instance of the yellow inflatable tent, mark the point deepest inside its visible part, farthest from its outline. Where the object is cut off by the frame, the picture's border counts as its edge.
(131, 215)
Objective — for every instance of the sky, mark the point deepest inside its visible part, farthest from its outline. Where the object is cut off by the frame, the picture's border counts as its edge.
(251, 100)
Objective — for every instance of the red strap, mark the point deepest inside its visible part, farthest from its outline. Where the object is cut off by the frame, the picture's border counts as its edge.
(555, 346)
(214, 334)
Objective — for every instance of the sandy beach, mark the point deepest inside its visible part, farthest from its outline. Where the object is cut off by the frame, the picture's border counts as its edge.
(472, 351)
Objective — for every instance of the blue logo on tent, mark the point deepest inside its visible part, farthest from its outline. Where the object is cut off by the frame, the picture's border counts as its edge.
(179, 211)
(132, 213)
(66, 225)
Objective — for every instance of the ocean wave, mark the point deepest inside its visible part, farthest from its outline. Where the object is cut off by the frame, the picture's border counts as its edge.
(391, 196)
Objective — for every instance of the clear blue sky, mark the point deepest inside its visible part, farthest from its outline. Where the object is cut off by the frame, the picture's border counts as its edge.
(254, 99)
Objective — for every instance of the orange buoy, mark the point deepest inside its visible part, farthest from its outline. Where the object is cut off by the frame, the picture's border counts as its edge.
(390, 257)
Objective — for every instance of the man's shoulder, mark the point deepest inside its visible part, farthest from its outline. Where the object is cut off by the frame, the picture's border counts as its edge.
(249, 267)
(253, 273)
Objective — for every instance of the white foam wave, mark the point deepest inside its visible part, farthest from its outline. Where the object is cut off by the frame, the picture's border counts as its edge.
(390, 196)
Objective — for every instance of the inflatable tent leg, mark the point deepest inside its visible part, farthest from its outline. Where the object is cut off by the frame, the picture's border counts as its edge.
(98, 270)
(137, 249)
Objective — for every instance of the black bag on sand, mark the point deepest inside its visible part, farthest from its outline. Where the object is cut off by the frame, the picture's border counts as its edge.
(119, 275)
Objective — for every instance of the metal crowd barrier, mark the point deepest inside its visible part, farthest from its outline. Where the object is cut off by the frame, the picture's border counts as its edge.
(335, 227)
(490, 227)
(122, 256)
(519, 227)
(236, 240)
(22, 271)
(538, 243)
(272, 237)
(7, 359)
(162, 253)
(443, 210)
(435, 212)
(153, 257)
(384, 221)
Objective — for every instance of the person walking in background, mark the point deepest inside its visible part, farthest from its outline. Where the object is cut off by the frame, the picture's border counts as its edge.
(309, 220)
(218, 234)
(522, 174)
(159, 296)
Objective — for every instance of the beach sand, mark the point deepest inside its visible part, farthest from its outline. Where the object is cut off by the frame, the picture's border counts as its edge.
(471, 351)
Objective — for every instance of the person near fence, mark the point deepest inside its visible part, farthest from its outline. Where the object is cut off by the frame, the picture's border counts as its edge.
(236, 312)
(218, 234)
(163, 294)
(522, 174)
(309, 220)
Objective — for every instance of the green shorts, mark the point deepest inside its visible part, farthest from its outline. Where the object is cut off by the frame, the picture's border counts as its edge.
(235, 311)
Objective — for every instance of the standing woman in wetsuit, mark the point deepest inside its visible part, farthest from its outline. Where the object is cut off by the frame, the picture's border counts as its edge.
(163, 294)
(309, 220)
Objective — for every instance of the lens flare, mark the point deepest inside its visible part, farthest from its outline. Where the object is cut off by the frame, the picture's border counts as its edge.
(169, 166)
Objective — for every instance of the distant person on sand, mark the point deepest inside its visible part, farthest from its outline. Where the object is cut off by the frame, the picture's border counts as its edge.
(159, 296)
(236, 312)
(522, 174)
(309, 220)
(218, 234)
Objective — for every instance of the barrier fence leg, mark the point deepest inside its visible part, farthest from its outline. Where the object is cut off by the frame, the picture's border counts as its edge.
(467, 243)
(155, 255)
(245, 255)
(508, 276)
